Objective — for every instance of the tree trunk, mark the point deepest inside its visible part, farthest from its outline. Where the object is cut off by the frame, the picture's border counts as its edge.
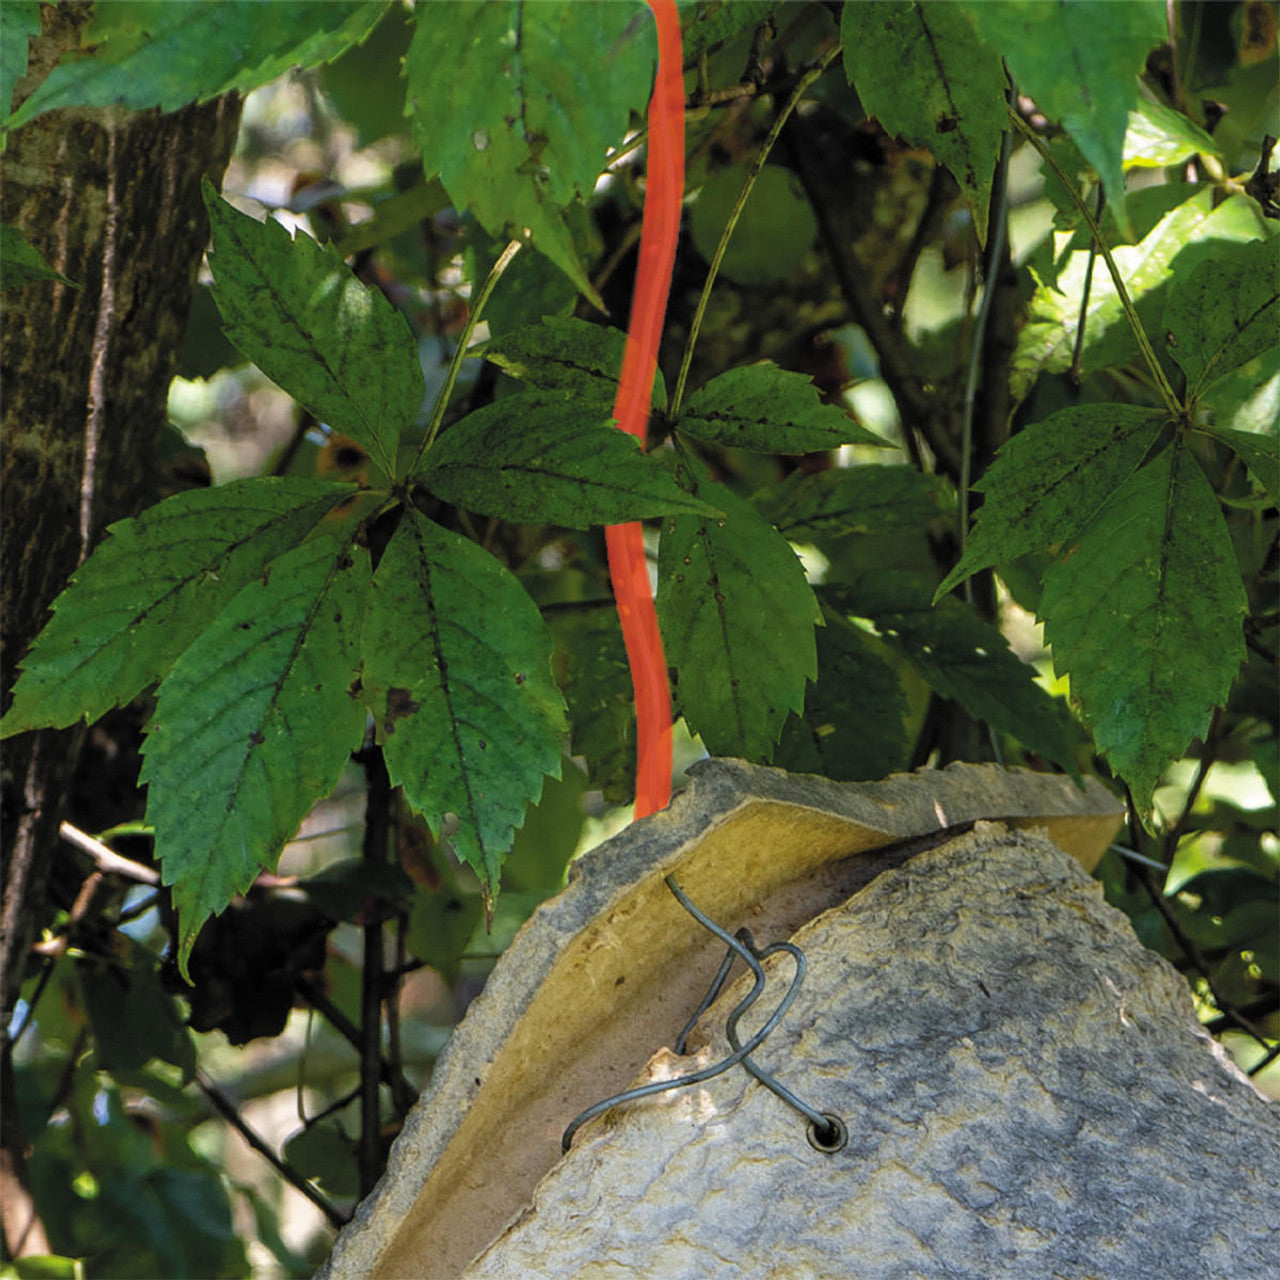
(111, 198)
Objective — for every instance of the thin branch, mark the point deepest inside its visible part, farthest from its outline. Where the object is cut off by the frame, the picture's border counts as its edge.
(757, 166)
(914, 405)
(343, 1025)
(1082, 324)
(1192, 952)
(372, 978)
(227, 1110)
(464, 341)
(1171, 401)
(106, 859)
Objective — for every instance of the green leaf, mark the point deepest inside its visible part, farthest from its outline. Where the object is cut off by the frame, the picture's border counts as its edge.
(21, 262)
(19, 21)
(1224, 314)
(153, 53)
(956, 103)
(541, 458)
(133, 1017)
(708, 23)
(774, 233)
(323, 1154)
(737, 619)
(254, 725)
(1158, 136)
(769, 410)
(568, 356)
(1143, 611)
(441, 924)
(852, 500)
(963, 658)
(1047, 482)
(458, 674)
(1080, 63)
(591, 660)
(515, 104)
(854, 723)
(1183, 238)
(150, 589)
(1261, 455)
(43, 1266)
(340, 349)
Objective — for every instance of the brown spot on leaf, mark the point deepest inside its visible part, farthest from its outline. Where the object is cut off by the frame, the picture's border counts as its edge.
(399, 705)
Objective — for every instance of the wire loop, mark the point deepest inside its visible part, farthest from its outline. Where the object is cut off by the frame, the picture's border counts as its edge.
(826, 1132)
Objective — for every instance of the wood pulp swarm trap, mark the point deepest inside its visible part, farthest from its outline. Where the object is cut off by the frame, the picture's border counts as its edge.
(1026, 1089)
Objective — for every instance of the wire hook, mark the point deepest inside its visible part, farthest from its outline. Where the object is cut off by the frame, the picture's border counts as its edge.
(826, 1132)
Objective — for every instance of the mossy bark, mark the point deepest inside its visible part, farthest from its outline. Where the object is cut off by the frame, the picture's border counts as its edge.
(111, 198)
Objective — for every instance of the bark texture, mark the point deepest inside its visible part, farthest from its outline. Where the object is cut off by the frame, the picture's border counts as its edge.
(1026, 1090)
(111, 198)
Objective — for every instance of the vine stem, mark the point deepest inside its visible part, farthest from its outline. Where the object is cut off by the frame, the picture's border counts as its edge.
(757, 167)
(1171, 401)
(460, 354)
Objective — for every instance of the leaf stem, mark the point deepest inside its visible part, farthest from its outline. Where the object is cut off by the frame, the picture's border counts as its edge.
(460, 354)
(757, 167)
(1171, 401)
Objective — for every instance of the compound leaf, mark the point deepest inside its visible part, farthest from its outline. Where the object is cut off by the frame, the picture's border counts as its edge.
(22, 263)
(254, 725)
(737, 618)
(769, 410)
(1261, 455)
(152, 53)
(956, 106)
(569, 356)
(295, 309)
(1182, 239)
(963, 658)
(1080, 63)
(149, 590)
(538, 457)
(1143, 611)
(515, 104)
(1049, 480)
(458, 675)
(854, 726)
(852, 500)
(1225, 313)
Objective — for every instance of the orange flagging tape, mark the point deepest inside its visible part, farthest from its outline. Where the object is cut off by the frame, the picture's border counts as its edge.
(660, 228)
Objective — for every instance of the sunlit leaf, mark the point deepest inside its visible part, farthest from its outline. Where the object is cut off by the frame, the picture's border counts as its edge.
(1180, 241)
(1225, 313)
(254, 725)
(1143, 611)
(458, 674)
(515, 104)
(1080, 63)
(153, 53)
(956, 102)
(150, 590)
(295, 309)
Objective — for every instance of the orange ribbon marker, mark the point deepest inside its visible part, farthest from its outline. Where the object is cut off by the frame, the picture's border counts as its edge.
(660, 228)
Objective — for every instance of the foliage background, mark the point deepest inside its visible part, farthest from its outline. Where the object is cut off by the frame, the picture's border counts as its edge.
(857, 263)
